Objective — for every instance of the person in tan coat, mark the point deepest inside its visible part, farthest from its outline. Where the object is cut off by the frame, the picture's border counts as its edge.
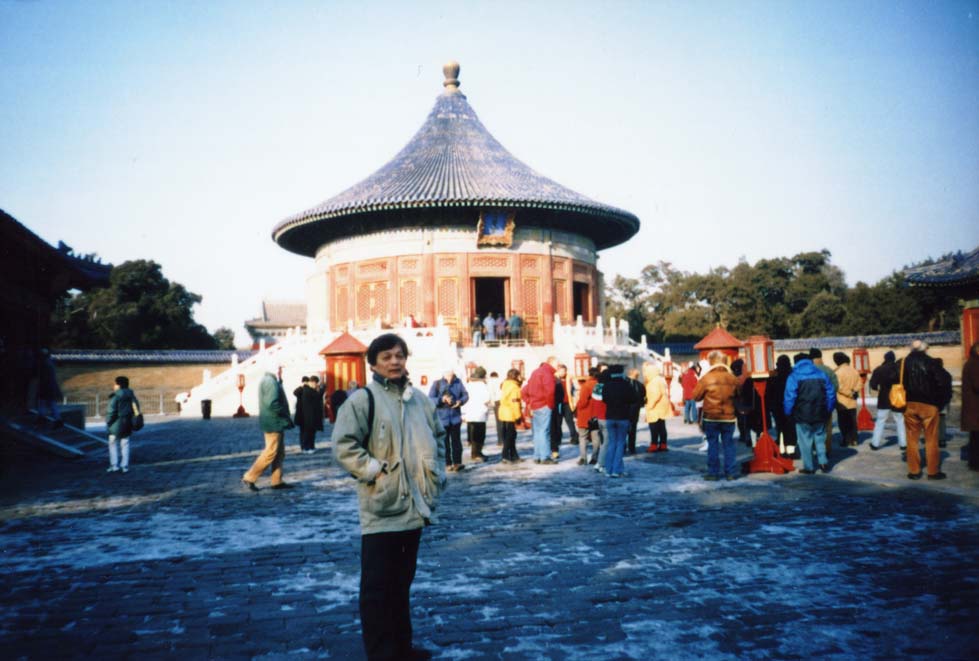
(849, 388)
(717, 389)
(658, 407)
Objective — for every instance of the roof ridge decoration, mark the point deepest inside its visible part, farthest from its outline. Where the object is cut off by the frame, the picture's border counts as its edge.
(452, 161)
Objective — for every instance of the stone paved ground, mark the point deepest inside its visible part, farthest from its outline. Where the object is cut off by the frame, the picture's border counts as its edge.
(532, 562)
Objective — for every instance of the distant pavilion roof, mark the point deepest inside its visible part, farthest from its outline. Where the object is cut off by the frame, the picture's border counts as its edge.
(452, 162)
(280, 314)
(954, 271)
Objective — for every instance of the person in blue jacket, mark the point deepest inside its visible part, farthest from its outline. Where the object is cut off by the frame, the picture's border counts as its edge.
(809, 399)
(448, 394)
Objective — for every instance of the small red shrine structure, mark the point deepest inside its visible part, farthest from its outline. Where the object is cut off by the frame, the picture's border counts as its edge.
(346, 361)
(719, 340)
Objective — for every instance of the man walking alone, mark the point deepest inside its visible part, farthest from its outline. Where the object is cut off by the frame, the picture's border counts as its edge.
(273, 417)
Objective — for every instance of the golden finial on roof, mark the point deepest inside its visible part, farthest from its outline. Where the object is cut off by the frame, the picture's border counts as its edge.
(451, 71)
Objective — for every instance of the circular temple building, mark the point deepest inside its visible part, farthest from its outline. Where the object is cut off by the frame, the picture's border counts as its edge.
(453, 227)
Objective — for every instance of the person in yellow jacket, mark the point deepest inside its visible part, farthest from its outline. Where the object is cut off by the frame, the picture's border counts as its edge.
(509, 414)
(846, 398)
(658, 407)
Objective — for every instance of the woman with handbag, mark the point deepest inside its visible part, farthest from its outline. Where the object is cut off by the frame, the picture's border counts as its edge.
(123, 417)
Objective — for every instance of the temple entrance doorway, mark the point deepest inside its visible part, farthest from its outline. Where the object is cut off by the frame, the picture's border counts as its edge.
(581, 307)
(490, 295)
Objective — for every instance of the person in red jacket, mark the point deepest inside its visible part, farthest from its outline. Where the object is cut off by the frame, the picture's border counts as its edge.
(689, 382)
(538, 394)
(586, 419)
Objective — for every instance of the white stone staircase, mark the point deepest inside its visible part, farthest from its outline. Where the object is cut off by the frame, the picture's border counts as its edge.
(431, 351)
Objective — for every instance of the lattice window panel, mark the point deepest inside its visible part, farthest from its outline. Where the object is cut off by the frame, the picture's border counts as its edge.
(409, 298)
(343, 272)
(530, 264)
(581, 270)
(446, 263)
(485, 262)
(559, 267)
(379, 301)
(560, 299)
(531, 297)
(447, 297)
(363, 302)
(372, 268)
(343, 309)
(408, 264)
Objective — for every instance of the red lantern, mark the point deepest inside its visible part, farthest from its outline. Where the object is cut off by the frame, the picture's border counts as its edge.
(759, 361)
(241, 412)
(861, 362)
(759, 356)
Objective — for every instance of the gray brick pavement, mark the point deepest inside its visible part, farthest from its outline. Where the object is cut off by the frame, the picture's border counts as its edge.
(529, 562)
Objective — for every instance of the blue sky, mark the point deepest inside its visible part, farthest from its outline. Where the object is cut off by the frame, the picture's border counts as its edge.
(184, 131)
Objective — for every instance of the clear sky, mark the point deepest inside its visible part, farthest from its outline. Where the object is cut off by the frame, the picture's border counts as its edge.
(184, 131)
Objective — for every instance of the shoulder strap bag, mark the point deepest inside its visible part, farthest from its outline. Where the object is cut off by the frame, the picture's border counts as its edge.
(898, 397)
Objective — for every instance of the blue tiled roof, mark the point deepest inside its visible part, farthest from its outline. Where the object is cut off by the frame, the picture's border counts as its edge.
(959, 269)
(63, 356)
(867, 341)
(454, 162)
(840, 342)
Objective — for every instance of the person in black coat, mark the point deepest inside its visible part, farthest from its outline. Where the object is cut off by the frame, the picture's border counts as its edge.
(775, 405)
(309, 413)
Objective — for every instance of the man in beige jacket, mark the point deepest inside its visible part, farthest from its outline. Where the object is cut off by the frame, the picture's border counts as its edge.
(846, 398)
(389, 438)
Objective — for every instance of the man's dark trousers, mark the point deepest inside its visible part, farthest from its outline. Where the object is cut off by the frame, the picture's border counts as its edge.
(564, 413)
(453, 444)
(633, 425)
(387, 568)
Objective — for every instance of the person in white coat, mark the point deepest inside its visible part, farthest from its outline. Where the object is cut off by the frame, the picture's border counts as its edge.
(474, 413)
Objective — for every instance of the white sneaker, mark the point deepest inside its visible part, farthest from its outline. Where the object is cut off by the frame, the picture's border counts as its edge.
(112, 469)
(703, 447)
(124, 469)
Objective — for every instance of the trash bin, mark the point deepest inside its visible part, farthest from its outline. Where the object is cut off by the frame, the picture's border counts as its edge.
(206, 409)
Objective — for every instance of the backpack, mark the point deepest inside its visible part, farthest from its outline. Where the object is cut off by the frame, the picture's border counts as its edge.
(370, 417)
(898, 396)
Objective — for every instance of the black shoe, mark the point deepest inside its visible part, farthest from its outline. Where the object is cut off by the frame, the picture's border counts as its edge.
(249, 485)
(824, 467)
(904, 455)
(418, 654)
(806, 471)
(938, 476)
(942, 443)
(874, 447)
(549, 461)
(283, 485)
(914, 476)
(536, 461)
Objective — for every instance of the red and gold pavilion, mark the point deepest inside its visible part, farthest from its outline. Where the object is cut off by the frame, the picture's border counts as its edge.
(453, 227)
